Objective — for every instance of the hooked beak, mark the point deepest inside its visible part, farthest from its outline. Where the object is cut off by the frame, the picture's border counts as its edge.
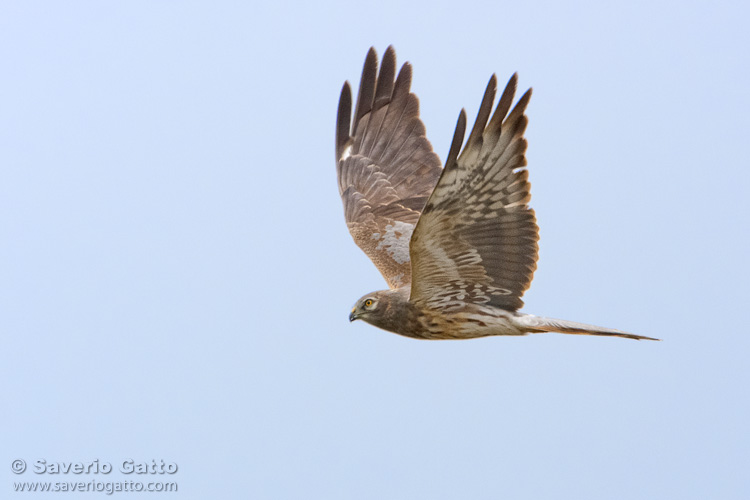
(352, 315)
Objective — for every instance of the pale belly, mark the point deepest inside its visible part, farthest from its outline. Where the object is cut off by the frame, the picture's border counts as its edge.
(470, 322)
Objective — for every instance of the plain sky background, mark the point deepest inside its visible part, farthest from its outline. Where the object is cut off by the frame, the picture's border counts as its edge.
(176, 275)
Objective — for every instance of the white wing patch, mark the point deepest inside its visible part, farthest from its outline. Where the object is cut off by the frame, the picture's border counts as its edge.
(346, 153)
(456, 293)
(395, 241)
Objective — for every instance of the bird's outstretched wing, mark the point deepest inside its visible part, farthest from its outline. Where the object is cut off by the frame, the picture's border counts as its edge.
(476, 241)
(385, 164)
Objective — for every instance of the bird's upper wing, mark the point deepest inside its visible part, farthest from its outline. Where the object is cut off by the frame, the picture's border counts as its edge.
(476, 241)
(385, 164)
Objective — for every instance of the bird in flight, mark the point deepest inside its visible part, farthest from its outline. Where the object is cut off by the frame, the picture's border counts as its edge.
(456, 245)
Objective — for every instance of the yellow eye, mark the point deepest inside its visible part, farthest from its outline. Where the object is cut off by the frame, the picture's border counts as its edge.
(368, 303)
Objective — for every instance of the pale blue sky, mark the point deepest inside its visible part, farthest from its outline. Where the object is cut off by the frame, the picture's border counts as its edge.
(176, 275)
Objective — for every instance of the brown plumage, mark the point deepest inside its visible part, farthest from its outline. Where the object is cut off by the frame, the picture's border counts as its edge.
(457, 246)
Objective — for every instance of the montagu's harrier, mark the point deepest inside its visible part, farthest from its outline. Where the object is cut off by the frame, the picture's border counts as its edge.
(457, 245)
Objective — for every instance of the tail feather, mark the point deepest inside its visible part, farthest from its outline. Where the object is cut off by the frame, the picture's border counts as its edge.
(537, 324)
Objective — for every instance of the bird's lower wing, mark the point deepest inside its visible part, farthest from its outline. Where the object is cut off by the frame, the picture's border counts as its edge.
(476, 241)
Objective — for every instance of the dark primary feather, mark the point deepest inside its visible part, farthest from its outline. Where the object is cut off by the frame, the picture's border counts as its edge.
(385, 164)
(343, 120)
(476, 240)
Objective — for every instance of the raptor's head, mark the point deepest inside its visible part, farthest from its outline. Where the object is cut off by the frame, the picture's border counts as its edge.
(382, 309)
(368, 306)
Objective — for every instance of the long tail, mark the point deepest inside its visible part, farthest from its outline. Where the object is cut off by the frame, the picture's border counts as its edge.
(536, 324)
